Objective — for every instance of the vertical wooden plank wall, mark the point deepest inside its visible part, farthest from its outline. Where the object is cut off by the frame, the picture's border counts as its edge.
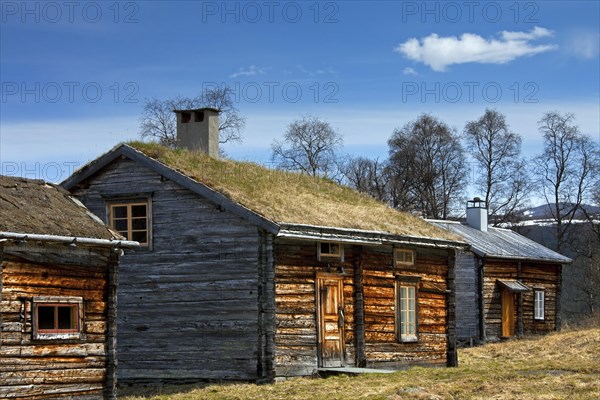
(188, 307)
(467, 298)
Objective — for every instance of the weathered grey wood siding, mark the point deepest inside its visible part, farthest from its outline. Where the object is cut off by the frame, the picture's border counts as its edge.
(188, 307)
(36, 369)
(467, 297)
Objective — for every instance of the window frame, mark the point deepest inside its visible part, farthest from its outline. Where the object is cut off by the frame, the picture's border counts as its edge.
(129, 203)
(536, 304)
(338, 256)
(402, 263)
(409, 282)
(58, 334)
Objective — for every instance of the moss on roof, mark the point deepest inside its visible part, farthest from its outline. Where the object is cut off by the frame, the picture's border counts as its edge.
(35, 207)
(289, 197)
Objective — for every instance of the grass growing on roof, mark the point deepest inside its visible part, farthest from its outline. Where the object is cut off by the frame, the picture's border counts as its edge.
(291, 197)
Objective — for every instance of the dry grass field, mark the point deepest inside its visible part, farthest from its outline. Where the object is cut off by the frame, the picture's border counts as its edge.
(563, 365)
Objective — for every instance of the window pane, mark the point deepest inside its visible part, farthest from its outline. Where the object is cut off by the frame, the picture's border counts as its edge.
(334, 248)
(138, 224)
(138, 211)
(324, 248)
(139, 237)
(119, 212)
(45, 317)
(120, 224)
(66, 318)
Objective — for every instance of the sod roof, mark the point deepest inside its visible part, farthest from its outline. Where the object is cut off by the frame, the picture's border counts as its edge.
(35, 207)
(292, 198)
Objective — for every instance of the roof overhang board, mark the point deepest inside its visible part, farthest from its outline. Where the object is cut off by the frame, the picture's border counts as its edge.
(116, 244)
(351, 236)
(523, 259)
(174, 176)
(514, 286)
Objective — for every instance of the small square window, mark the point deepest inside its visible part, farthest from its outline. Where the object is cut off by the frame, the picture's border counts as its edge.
(57, 317)
(405, 257)
(131, 220)
(330, 250)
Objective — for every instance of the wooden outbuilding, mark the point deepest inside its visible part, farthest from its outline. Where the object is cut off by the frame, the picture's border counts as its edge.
(249, 274)
(58, 277)
(506, 284)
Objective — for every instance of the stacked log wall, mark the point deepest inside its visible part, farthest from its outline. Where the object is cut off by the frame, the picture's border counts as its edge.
(535, 275)
(382, 346)
(37, 369)
(296, 343)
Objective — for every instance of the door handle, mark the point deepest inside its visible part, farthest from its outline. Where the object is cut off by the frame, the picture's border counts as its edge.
(340, 317)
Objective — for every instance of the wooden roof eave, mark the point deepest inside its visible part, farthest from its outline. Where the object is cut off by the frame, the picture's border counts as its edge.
(124, 150)
(74, 240)
(518, 258)
(358, 236)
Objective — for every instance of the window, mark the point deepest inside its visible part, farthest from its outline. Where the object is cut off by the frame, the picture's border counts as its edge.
(406, 310)
(329, 249)
(57, 317)
(405, 257)
(131, 221)
(538, 304)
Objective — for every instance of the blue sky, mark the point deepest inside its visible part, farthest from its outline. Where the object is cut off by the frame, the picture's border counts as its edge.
(75, 75)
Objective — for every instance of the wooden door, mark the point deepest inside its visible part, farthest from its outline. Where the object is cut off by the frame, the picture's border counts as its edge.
(331, 321)
(508, 313)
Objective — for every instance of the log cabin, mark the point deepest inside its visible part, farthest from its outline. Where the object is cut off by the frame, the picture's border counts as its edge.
(247, 273)
(58, 276)
(506, 284)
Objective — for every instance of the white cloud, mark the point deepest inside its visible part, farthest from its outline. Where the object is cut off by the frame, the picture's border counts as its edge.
(440, 52)
(535, 33)
(409, 71)
(323, 71)
(250, 71)
(583, 44)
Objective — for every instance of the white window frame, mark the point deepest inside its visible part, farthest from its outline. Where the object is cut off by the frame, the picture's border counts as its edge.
(339, 255)
(56, 301)
(539, 304)
(404, 309)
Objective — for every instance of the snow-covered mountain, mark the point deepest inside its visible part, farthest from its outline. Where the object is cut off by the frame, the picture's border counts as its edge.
(544, 211)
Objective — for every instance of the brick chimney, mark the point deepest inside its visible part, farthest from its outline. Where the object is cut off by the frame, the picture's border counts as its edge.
(198, 130)
(477, 216)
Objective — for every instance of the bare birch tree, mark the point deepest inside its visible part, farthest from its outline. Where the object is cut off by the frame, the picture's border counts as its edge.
(501, 175)
(159, 122)
(367, 176)
(310, 145)
(428, 160)
(564, 169)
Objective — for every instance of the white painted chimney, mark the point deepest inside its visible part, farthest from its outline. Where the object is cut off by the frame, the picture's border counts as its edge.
(477, 216)
(198, 130)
